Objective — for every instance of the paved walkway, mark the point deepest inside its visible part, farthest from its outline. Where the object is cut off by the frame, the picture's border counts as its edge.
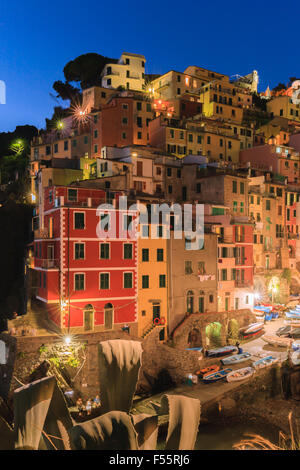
(209, 392)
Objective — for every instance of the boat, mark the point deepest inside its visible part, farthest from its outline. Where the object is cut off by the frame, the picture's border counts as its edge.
(292, 322)
(221, 351)
(252, 328)
(292, 315)
(277, 341)
(284, 330)
(296, 345)
(265, 362)
(221, 374)
(295, 357)
(251, 335)
(194, 349)
(295, 333)
(240, 374)
(208, 370)
(236, 358)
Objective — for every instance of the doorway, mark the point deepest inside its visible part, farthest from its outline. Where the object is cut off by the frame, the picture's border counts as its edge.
(88, 318)
(108, 316)
(156, 311)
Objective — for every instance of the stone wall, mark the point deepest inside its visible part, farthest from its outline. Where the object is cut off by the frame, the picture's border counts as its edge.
(198, 322)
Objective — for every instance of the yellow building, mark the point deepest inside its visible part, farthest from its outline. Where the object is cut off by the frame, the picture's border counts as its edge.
(152, 281)
(283, 106)
(128, 72)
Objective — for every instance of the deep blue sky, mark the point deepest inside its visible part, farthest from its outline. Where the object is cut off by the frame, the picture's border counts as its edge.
(37, 38)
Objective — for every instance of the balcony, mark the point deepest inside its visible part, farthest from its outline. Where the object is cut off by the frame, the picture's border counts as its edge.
(50, 263)
(43, 233)
(243, 283)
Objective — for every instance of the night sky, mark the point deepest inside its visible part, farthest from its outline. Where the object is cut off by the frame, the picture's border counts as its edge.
(37, 39)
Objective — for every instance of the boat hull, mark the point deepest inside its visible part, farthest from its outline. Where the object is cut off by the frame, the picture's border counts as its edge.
(237, 358)
(219, 352)
(240, 374)
(265, 362)
(215, 376)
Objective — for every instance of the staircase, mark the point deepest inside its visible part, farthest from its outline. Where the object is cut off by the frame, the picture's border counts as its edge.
(147, 330)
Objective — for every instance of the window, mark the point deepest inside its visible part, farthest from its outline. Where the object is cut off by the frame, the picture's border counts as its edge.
(72, 195)
(242, 188)
(139, 106)
(104, 250)
(201, 267)
(55, 148)
(95, 148)
(145, 282)
(145, 231)
(234, 186)
(48, 150)
(160, 231)
(79, 250)
(124, 135)
(104, 281)
(178, 173)
(172, 133)
(268, 205)
(85, 139)
(139, 135)
(128, 281)
(224, 274)
(170, 189)
(148, 107)
(79, 222)
(79, 281)
(74, 143)
(198, 188)
(169, 171)
(162, 280)
(208, 139)
(160, 254)
(139, 121)
(127, 222)
(66, 145)
(145, 254)
(188, 267)
(124, 120)
(127, 251)
(108, 81)
(105, 222)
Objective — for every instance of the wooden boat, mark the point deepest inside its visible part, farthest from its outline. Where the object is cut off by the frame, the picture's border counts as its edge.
(284, 330)
(221, 351)
(221, 374)
(208, 370)
(236, 358)
(277, 341)
(295, 357)
(296, 345)
(295, 333)
(240, 374)
(265, 362)
(251, 335)
(252, 328)
(194, 349)
(292, 315)
(292, 322)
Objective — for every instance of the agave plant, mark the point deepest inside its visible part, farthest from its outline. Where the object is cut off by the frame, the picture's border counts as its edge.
(42, 419)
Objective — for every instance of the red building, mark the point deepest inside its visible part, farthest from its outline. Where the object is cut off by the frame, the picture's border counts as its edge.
(86, 282)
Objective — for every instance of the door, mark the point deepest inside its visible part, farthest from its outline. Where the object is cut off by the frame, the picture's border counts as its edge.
(88, 319)
(156, 311)
(184, 193)
(108, 316)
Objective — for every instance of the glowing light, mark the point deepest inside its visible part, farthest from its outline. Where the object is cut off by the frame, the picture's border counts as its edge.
(60, 125)
(257, 296)
(33, 197)
(17, 146)
(80, 114)
(67, 339)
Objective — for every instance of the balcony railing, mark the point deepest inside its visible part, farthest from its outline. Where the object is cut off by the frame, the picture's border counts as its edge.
(242, 283)
(50, 263)
(43, 233)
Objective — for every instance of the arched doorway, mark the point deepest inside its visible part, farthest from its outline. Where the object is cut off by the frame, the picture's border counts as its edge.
(213, 334)
(190, 302)
(194, 338)
(88, 317)
(108, 316)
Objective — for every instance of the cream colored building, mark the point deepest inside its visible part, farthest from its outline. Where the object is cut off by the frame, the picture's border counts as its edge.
(128, 72)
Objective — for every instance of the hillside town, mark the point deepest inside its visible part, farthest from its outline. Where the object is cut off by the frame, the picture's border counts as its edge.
(164, 236)
(190, 137)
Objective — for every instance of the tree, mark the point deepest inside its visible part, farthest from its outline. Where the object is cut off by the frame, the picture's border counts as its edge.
(86, 69)
(66, 91)
(280, 86)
